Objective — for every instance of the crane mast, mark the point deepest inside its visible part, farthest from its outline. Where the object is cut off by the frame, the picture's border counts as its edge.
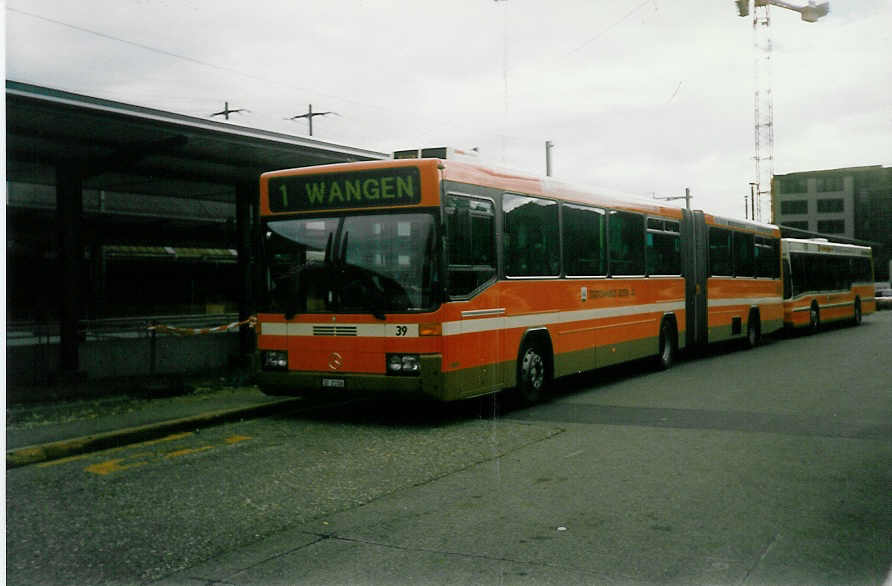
(763, 103)
(763, 109)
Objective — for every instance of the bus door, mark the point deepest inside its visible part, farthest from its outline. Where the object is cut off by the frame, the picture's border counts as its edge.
(470, 221)
(695, 266)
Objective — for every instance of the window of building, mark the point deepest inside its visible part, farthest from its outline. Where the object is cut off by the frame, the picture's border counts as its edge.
(720, 252)
(626, 231)
(663, 247)
(794, 185)
(531, 239)
(470, 234)
(830, 205)
(831, 226)
(585, 241)
(799, 225)
(825, 184)
(796, 206)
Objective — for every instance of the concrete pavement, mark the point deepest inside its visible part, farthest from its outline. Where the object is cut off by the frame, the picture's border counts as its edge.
(42, 432)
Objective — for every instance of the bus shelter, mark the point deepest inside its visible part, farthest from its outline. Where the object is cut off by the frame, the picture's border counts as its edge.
(102, 194)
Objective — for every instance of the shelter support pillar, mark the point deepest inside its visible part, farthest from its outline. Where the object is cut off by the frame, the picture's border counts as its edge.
(246, 213)
(69, 215)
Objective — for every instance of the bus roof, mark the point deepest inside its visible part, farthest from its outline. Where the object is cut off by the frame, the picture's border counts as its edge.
(523, 183)
(823, 246)
(476, 173)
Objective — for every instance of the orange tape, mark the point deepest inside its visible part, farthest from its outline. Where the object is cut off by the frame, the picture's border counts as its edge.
(250, 322)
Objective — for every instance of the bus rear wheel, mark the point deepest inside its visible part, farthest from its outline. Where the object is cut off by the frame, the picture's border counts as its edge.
(532, 374)
(753, 330)
(814, 319)
(668, 346)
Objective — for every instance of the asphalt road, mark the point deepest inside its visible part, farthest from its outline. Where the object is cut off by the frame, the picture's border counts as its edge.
(764, 466)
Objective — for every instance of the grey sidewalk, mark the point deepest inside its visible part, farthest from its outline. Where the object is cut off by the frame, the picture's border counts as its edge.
(47, 431)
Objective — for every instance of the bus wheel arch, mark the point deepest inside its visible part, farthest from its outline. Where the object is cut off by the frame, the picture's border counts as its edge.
(535, 366)
(753, 328)
(858, 315)
(668, 343)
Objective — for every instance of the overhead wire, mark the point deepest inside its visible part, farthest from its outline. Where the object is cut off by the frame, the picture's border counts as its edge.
(200, 62)
(426, 126)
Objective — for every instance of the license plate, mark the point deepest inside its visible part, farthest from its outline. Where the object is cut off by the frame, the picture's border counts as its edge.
(333, 383)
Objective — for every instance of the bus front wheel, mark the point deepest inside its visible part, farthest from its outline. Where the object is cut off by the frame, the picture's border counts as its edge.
(531, 374)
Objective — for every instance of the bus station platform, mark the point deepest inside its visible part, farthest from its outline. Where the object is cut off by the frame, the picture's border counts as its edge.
(50, 430)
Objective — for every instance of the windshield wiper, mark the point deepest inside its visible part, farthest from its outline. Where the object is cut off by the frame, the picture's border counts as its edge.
(327, 258)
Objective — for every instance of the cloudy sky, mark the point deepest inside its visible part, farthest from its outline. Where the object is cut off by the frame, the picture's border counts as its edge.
(647, 97)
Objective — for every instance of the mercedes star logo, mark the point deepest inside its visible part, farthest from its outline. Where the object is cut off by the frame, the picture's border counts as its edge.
(335, 361)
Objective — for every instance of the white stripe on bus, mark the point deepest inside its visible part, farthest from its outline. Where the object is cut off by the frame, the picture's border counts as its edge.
(750, 301)
(383, 330)
(485, 324)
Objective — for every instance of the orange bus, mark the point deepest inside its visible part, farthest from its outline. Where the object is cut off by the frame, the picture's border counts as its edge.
(825, 282)
(447, 279)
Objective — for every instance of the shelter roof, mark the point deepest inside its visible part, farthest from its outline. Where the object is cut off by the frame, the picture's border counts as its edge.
(132, 149)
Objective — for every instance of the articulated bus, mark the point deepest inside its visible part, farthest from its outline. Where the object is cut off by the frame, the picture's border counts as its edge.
(825, 282)
(446, 279)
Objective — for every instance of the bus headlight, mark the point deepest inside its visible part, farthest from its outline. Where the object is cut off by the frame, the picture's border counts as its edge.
(275, 359)
(404, 364)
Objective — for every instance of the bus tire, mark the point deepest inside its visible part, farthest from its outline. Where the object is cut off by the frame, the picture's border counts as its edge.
(753, 330)
(858, 316)
(814, 318)
(532, 373)
(668, 345)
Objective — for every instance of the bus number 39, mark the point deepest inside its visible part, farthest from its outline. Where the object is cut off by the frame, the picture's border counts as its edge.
(402, 330)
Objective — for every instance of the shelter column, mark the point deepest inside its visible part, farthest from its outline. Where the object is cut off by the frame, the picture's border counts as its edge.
(69, 215)
(246, 204)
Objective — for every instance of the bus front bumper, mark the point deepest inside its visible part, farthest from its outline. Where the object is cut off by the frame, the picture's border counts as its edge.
(428, 384)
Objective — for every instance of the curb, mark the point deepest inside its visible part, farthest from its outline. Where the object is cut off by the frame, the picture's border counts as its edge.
(57, 450)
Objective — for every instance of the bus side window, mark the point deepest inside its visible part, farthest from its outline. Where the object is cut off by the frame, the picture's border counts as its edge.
(626, 237)
(788, 281)
(663, 247)
(743, 255)
(532, 246)
(766, 257)
(720, 252)
(583, 242)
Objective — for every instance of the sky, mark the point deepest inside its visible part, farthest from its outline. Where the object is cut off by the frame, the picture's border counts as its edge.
(645, 97)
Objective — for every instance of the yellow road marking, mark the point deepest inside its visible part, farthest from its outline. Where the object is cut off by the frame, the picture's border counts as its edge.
(169, 438)
(109, 466)
(63, 460)
(187, 451)
(142, 458)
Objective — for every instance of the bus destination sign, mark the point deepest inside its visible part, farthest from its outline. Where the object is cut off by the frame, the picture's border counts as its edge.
(376, 187)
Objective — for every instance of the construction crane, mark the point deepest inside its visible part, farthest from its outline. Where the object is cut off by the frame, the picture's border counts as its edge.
(763, 107)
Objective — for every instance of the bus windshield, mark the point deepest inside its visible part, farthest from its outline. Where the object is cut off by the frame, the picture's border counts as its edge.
(351, 264)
